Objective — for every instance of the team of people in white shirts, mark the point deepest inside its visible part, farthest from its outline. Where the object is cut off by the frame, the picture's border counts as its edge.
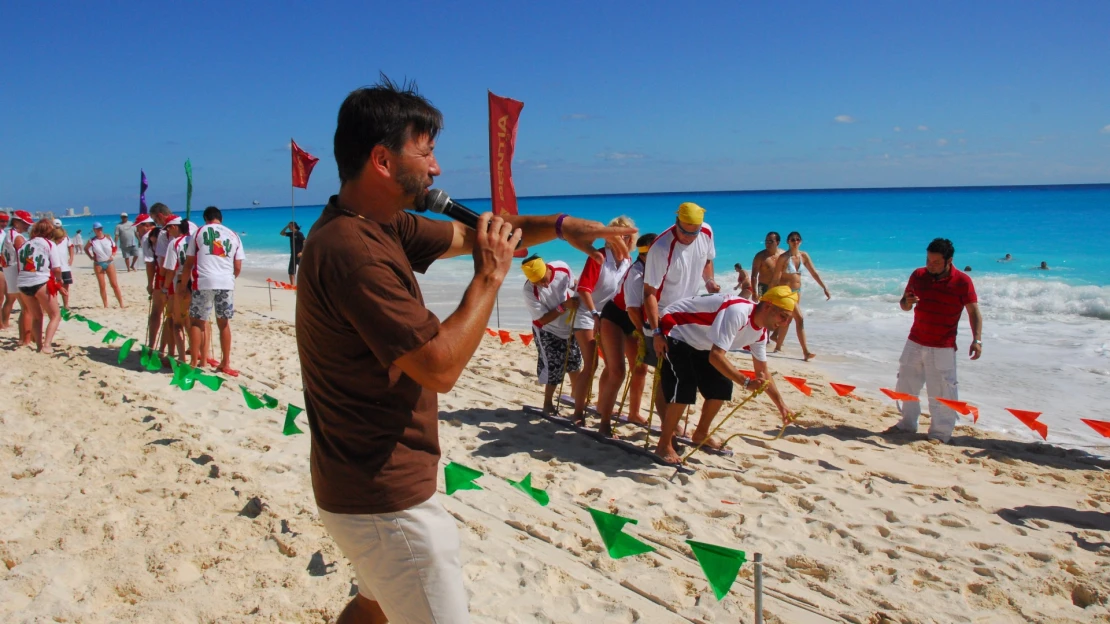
(191, 273)
(648, 312)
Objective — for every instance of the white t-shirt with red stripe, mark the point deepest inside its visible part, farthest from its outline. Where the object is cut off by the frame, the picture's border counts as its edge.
(175, 255)
(102, 248)
(631, 293)
(37, 258)
(541, 300)
(674, 270)
(602, 280)
(216, 248)
(718, 320)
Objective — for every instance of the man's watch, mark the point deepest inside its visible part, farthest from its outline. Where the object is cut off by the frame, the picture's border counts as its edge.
(978, 342)
(655, 332)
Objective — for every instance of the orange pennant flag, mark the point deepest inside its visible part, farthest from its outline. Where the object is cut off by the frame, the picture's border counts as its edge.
(1030, 420)
(800, 384)
(961, 407)
(505, 336)
(974, 413)
(491, 332)
(1100, 426)
(746, 373)
(898, 396)
(842, 389)
(526, 339)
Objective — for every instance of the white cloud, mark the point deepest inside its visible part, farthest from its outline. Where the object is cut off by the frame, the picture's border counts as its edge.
(923, 128)
(1106, 129)
(963, 141)
(897, 128)
(942, 142)
(577, 117)
(619, 155)
(844, 119)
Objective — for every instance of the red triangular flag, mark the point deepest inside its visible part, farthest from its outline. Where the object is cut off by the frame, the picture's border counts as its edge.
(491, 332)
(505, 336)
(1100, 426)
(961, 407)
(746, 373)
(303, 162)
(842, 389)
(898, 396)
(526, 339)
(1030, 420)
(974, 413)
(800, 384)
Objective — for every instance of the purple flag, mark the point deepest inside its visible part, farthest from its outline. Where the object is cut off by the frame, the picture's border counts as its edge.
(142, 193)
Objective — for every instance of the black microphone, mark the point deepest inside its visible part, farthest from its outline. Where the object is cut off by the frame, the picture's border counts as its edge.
(437, 201)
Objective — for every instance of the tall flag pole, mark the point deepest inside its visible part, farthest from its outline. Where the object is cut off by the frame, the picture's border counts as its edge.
(189, 191)
(142, 192)
(503, 116)
(303, 162)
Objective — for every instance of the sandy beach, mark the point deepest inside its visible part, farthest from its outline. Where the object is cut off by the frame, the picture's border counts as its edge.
(125, 499)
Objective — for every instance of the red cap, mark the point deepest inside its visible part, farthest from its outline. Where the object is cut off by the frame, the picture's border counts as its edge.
(139, 220)
(24, 216)
(4, 216)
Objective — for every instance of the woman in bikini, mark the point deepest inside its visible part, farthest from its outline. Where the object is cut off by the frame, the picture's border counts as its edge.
(102, 251)
(789, 270)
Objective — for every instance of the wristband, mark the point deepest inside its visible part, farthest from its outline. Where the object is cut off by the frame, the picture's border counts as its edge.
(560, 308)
(595, 313)
(655, 332)
(559, 226)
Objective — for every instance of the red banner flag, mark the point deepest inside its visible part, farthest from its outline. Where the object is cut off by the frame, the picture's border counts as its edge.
(898, 396)
(503, 116)
(303, 162)
(1030, 420)
(842, 389)
(505, 336)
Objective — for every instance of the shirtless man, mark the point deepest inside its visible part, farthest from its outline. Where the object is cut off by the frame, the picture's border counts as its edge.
(763, 265)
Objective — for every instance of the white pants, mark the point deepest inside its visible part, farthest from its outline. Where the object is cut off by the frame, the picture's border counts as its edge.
(406, 561)
(936, 370)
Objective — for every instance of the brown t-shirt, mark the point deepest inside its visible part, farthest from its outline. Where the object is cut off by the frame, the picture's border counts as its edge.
(375, 437)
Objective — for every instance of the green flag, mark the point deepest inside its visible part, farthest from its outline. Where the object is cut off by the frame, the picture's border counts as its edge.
(150, 359)
(269, 401)
(125, 349)
(252, 401)
(618, 544)
(66, 314)
(720, 565)
(290, 416)
(459, 477)
(525, 485)
(212, 382)
(78, 317)
(94, 326)
(182, 375)
(189, 190)
(111, 336)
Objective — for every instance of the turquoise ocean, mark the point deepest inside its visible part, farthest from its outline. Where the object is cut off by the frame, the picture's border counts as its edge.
(1046, 333)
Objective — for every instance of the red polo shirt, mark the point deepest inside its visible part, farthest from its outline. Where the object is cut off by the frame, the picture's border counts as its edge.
(939, 306)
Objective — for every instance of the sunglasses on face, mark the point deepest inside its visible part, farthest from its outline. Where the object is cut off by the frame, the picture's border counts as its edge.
(793, 240)
(694, 232)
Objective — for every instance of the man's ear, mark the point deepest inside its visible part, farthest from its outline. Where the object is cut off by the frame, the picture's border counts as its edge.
(381, 161)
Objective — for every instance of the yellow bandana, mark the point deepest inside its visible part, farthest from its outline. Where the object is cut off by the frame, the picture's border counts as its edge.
(691, 213)
(643, 248)
(534, 270)
(781, 297)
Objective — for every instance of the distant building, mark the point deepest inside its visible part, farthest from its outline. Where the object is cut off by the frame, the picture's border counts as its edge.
(85, 211)
(70, 213)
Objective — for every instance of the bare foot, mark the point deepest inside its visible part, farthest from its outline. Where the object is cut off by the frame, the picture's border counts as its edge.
(578, 419)
(669, 456)
(712, 443)
(809, 356)
(636, 420)
(46, 350)
(549, 409)
(777, 350)
(606, 429)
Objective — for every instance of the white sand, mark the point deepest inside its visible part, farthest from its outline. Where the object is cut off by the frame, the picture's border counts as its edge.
(125, 499)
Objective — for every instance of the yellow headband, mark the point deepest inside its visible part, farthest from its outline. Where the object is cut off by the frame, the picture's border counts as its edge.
(691, 213)
(643, 248)
(535, 270)
(781, 297)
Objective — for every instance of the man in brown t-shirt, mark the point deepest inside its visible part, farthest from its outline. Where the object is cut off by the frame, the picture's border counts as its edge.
(373, 358)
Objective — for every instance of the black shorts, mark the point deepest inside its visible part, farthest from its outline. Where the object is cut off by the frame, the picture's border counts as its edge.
(67, 277)
(760, 289)
(687, 371)
(293, 262)
(618, 317)
(31, 291)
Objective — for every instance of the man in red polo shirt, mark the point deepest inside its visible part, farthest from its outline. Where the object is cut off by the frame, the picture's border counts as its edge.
(937, 293)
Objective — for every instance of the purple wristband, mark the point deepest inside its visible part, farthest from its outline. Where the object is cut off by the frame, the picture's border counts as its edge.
(559, 226)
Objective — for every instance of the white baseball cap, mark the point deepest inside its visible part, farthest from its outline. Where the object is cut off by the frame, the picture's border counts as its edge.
(123, 214)
(57, 223)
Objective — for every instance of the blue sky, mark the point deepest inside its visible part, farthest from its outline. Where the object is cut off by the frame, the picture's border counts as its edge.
(620, 97)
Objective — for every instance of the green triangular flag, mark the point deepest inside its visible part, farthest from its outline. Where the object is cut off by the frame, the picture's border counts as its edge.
(125, 349)
(253, 402)
(459, 477)
(182, 375)
(78, 317)
(269, 401)
(94, 326)
(150, 359)
(525, 485)
(212, 382)
(720, 565)
(111, 336)
(66, 314)
(617, 543)
(291, 415)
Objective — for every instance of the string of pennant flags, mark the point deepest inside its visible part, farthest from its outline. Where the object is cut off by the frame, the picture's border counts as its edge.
(963, 408)
(185, 376)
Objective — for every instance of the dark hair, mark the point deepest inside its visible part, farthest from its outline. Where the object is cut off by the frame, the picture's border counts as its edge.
(296, 226)
(213, 213)
(778, 239)
(385, 114)
(793, 234)
(646, 239)
(530, 258)
(159, 209)
(942, 246)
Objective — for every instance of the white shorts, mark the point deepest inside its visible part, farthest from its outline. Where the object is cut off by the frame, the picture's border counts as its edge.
(11, 276)
(406, 561)
(583, 320)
